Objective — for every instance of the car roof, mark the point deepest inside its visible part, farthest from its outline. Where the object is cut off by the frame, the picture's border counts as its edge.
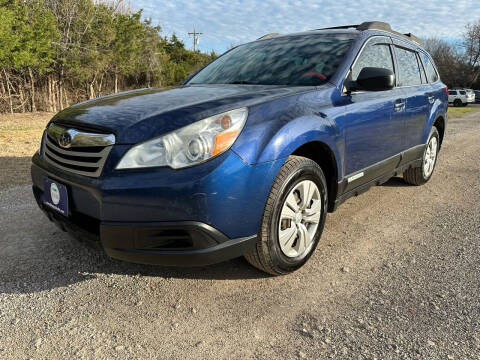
(375, 27)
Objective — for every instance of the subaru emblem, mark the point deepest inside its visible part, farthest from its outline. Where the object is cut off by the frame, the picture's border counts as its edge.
(65, 140)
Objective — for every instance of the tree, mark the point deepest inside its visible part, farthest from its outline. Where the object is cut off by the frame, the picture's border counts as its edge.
(57, 52)
(471, 44)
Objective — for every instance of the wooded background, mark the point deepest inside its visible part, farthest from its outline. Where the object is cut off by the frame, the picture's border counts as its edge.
(54, 53)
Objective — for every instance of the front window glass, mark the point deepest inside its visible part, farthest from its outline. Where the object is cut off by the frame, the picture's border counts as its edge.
(462, 92)
(408, 67)
(291, 60)
(377, 55)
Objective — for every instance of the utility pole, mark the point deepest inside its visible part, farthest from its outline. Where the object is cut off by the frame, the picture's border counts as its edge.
(195, 38)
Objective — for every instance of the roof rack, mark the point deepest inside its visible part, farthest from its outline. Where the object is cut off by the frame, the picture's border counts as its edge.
(376, 25)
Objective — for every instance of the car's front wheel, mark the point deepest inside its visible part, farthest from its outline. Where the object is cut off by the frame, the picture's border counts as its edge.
(293, 218)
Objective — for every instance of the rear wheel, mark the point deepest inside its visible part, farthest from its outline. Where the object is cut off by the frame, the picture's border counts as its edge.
(457, 102)
(420, 175)
(293, 218)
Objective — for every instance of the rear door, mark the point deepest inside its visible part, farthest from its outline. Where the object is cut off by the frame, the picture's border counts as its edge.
(373, 136)
(416, 93)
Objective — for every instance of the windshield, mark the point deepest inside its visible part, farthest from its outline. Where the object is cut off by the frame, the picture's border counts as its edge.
(300, 60)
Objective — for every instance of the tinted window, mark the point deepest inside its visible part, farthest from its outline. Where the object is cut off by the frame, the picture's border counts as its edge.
(452, 92)
(293, 60)
(431, 72)
(377, 55)
(462, 92)
(408, 67)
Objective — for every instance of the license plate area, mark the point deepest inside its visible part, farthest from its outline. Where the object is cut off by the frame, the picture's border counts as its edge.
(55, 196)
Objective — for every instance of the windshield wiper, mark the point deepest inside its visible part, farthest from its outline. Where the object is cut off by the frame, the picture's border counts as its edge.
(242, 82)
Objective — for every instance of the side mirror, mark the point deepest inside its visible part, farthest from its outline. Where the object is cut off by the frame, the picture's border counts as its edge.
(376, 79)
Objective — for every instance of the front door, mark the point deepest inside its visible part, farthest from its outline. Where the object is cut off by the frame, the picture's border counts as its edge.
(373, 135)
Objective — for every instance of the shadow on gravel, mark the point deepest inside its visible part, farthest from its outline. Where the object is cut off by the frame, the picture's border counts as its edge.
(395, 182)
(62, 261)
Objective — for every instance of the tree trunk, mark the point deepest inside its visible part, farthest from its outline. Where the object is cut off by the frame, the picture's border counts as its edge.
(22, 96)
(116, 83)
(66, 97)
(32, 90)
(60, 90)
(49, 94)
(9, 91)
(92, 91)
(4, 93)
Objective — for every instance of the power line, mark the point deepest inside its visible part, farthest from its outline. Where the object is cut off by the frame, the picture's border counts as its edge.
(195, 37)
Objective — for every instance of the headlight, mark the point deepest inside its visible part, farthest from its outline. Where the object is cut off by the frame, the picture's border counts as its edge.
(189, 145)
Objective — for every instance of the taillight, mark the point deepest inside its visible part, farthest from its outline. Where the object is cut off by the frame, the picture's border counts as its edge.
(446, 90)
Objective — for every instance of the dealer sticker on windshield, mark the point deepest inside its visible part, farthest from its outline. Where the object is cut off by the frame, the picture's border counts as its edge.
(55, 196)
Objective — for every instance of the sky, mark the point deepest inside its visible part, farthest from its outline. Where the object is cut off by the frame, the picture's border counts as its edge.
(233, 22)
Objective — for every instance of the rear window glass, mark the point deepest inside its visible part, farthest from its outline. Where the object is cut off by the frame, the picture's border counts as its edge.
(452, 92)
(430, 69)
(408, 67)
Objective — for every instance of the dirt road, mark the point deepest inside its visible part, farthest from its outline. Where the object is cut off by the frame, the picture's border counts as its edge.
(396, 276)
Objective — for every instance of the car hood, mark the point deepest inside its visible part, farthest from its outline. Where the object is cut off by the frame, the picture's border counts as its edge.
(139, 115)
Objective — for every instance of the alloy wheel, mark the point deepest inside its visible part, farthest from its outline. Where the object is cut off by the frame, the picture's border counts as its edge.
(430, 157)
(299, 219)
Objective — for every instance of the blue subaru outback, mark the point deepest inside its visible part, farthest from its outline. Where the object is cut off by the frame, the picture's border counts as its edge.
(249, 154)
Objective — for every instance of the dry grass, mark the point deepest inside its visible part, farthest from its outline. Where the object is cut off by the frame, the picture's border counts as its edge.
(454, 112)
(20, 136)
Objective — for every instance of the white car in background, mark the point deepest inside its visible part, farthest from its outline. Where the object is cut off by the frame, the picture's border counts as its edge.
(458, 97)
(470, 96)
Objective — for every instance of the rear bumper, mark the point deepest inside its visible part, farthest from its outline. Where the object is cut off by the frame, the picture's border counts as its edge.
(186, 243)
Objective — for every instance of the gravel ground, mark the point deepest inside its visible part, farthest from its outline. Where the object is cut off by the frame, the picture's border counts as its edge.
(396, 276)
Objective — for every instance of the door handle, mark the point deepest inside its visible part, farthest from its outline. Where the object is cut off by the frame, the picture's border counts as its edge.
(399, 105)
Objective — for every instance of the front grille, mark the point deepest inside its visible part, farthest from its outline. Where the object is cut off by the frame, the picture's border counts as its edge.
(88, 161)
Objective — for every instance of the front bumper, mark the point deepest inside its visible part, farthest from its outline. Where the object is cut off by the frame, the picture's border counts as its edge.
(196, 216)
(174, 244)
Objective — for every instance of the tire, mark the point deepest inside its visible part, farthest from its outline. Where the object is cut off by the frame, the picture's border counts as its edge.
(457, 102)
(298, 176)
(421, 174)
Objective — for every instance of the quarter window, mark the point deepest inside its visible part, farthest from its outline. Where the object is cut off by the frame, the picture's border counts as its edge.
(408, 67)
(377, 55)
(430, 69)
(422, 70)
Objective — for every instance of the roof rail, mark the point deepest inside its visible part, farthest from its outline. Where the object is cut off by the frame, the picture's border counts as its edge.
(413, 38)
(376, 25)
(266, 36)
(340, 27)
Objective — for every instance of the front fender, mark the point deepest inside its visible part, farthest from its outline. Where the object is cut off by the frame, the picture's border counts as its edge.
(298, 132)
(279, 143)
(276, 129)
